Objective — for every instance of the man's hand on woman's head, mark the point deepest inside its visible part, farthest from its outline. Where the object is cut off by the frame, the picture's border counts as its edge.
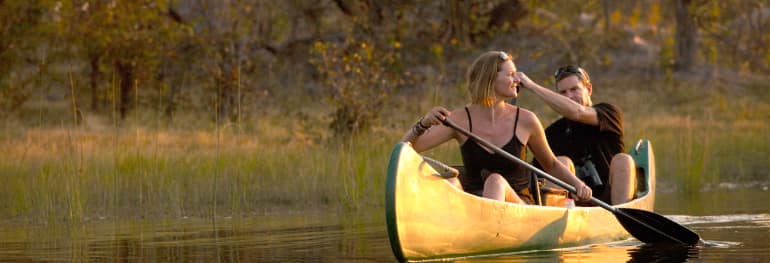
(524, 80)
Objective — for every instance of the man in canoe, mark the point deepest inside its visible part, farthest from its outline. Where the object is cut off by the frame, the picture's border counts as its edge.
(491, 80)
(589, 137)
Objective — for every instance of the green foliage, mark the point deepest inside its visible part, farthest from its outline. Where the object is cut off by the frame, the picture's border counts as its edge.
(21, 24)
(225, 37)
(219, 56)
(736, 31)
(358, 76)
(126, 41)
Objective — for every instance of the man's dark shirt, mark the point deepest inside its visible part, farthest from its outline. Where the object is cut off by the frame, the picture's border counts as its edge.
(577, 140)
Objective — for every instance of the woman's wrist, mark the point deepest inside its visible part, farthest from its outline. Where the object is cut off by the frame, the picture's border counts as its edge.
(419, 128)
(423, 126)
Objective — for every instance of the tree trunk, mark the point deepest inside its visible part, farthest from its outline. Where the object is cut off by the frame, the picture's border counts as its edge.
(226, 88)
(510, 11)
(94, 78)
(171, 97)
(348, 7)
(686, 34)
(126, 74)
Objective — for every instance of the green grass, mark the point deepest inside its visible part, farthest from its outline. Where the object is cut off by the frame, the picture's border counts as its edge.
(286, 161)
(163, 173)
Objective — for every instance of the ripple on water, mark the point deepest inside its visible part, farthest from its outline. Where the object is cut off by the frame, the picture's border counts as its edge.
(762, 219)
(718, 244)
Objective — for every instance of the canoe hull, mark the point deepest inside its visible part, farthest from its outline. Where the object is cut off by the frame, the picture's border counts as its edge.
(427, 217)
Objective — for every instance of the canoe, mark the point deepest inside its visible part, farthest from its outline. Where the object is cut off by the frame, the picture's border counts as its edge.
(428, 218)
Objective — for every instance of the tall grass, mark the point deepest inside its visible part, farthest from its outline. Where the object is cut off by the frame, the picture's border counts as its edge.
(74, 173)
(285, 160)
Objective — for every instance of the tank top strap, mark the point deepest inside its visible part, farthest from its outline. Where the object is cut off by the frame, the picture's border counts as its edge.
(470, 123)
(515, 122)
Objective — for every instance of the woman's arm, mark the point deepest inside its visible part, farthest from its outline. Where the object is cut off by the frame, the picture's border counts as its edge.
(428, 131)
(539, 146)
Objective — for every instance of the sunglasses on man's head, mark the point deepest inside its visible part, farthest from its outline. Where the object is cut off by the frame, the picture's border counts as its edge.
(567, 69)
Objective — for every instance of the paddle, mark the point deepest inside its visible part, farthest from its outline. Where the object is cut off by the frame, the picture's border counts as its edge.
(644, 225)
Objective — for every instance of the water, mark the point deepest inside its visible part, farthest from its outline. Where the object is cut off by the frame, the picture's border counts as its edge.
(733, 221)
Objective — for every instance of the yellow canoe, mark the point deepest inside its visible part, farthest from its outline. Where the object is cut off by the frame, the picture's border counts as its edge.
(427, 217)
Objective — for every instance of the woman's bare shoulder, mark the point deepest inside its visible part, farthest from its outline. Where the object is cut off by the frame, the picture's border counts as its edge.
(459, 116)
(528, 116)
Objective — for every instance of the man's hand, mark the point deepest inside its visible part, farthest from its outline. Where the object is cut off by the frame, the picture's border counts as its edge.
(524, 80)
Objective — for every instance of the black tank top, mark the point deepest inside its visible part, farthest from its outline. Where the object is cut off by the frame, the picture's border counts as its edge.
(479, 163)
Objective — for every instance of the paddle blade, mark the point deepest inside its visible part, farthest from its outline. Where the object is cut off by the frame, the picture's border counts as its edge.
(653, 228)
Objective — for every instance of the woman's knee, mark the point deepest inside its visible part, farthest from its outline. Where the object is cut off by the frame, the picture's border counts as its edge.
(496, 187)
(495, 180)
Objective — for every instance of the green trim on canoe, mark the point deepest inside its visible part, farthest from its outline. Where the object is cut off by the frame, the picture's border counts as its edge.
(390, 202)
(641, 155)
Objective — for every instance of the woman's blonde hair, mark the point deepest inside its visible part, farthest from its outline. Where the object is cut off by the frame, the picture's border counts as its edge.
(481, 77)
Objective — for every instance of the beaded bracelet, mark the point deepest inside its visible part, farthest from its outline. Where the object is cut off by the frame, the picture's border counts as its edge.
(419, 123)
(419, 129)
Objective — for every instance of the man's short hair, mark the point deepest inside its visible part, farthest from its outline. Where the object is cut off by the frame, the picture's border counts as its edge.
(571, 70)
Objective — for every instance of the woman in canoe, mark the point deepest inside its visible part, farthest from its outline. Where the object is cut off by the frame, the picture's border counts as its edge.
(491, 80)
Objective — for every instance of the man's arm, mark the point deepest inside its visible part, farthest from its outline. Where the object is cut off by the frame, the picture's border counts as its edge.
(561, 104)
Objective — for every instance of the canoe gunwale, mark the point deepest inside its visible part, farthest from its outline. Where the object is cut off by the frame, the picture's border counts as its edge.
(390, 201)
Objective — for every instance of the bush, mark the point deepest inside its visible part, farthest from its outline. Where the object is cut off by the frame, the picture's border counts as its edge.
(358, 76)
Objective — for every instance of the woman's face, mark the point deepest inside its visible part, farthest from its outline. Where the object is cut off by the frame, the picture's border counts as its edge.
(506, 81)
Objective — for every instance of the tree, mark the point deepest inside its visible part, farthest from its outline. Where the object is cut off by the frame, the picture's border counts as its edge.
(20, 35)
(733, 33)
(132, 38)
(224, 37)
(686, 36)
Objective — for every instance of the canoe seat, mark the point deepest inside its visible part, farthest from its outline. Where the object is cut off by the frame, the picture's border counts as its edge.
(553, 196)
(549, 196)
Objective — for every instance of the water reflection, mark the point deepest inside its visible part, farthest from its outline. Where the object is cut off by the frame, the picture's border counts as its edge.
(319, 238)
(323, 239)
(663, 253)
(315, 239)
(738, 236)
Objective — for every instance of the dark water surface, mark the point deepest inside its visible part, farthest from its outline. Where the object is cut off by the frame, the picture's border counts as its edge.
(734, 222)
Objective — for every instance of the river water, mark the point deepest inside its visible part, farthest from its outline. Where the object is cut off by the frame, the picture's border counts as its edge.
(733, 220)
